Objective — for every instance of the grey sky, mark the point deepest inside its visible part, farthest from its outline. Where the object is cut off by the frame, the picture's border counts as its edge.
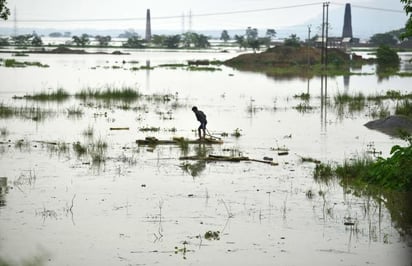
(205, 15)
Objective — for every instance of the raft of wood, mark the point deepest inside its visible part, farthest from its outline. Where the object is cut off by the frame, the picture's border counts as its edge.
(176, 141)
(221, 158)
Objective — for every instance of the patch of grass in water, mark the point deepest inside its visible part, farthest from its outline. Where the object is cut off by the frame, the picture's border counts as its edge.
(74, 111)
(303, 96)
(108, 94)
(15, 63)
(404, 108)
(25, 112)
(304, 107)
(4, 131)
(59, 95)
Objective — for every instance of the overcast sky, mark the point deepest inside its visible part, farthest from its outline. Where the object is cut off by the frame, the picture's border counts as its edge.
(368, 16)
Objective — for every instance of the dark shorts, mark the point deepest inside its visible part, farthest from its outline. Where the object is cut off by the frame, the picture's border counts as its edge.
(203, 125)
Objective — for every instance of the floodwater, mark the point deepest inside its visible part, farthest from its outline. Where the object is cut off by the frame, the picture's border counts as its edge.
(141, 206)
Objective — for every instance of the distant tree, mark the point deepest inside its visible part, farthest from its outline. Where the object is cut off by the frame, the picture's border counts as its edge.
(252, 40)
(201, 41)
(408, 26)
(193, 39)
(82, 40)
(293, 41)
(172, 41)
(128, 33)
(4, 11)
(383, 39)
(22, 40)
(4, 42)
(158, 39)
(67, 34)
(265, 41)
(134, 42)
(36, 41)
(270, 33)
(251, 34)
(387, 56)
(103, 40)
(240, 40)
(55, 34)
(225, 36)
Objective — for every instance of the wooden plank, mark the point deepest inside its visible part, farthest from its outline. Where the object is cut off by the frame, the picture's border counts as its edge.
(176, 141)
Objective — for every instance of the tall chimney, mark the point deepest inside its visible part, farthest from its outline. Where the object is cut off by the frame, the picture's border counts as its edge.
(148, 36)
(347, 23)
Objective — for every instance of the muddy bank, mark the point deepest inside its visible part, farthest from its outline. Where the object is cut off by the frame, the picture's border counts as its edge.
(391, 125)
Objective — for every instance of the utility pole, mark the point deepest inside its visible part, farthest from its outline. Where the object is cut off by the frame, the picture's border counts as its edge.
(15, 22)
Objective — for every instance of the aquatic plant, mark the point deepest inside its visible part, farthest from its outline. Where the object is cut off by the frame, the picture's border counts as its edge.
(123, 94)
(149, 129)
(15, 63)
(236, 133)
(58, 95)
(74, 111)
(323, 173)
(212, 235)
(33, 113)
(393, 173)
(89, 131)
(303, 96)
(304, 107)
(4, 131)
(79, 148)
(404, 108)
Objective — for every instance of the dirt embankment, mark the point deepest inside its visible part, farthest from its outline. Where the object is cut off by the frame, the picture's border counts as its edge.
(391, 125)
(291, 57)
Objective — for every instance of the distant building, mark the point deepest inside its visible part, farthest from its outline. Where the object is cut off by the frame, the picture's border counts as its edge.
(347, 23)
(148, 36)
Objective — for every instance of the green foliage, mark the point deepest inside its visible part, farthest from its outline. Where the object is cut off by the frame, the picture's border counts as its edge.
(59, 95)
(4, 10)
(392, 173)
(4, 41)
(134, 42)
(36, 41)
(225, 36)
(123, 94)
(172, 41)
(103, 40)
(387, 57)
(408, 25)
(383, 39)
(404, 108)
(192, 39)
(82, 40)
(293, 41)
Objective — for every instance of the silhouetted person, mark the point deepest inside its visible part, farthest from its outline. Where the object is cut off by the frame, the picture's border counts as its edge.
(201, 117)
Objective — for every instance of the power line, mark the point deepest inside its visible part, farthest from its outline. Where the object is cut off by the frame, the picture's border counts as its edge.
(173, 17)
(223, 13)
(371, 8)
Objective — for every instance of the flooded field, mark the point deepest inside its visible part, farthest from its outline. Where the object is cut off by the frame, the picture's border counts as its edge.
(76, 188)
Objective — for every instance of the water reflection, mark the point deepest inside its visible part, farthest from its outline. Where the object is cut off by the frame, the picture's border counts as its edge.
(323, 102)
(3, 191)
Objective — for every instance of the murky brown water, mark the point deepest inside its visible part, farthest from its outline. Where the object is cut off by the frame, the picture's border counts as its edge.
(139, 207)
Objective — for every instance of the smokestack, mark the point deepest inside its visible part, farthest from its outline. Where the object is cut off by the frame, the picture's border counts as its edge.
(148, 36)
(347, 23)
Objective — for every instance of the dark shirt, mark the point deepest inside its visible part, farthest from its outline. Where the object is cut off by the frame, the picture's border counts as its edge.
(200, 116)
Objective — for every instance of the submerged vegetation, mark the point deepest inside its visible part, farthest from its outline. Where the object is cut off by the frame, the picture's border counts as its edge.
(392, 173)
(15, 63)
(123, 94)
